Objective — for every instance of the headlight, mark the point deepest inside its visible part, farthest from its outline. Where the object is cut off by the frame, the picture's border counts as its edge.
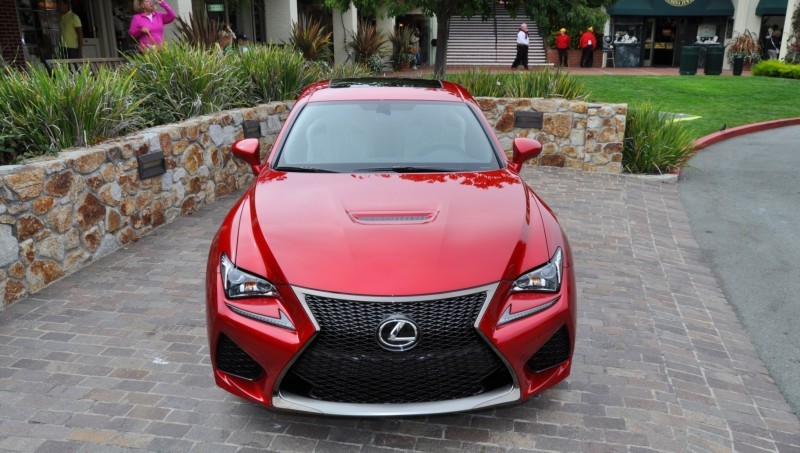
(543, 279)
(239, 284)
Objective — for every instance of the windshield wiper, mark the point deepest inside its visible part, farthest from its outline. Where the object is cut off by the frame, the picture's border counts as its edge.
(408, 169)
(304, 169)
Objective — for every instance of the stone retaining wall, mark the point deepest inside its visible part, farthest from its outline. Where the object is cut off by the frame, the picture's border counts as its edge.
(59, 213)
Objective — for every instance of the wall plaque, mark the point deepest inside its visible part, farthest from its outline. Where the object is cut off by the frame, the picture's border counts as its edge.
(528, 120)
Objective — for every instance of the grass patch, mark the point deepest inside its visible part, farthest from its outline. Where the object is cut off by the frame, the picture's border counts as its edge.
(718, 101)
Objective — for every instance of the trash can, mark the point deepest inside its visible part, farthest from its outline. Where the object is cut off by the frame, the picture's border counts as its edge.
(714, 55)
(689, 60)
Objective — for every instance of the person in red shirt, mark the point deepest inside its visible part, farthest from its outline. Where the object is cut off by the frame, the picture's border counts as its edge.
(588, 43)
(562, 44)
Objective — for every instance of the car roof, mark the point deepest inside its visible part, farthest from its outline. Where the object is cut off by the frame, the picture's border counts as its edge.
(385, 88)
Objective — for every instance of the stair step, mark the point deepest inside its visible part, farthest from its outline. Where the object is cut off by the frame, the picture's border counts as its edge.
(472, 41)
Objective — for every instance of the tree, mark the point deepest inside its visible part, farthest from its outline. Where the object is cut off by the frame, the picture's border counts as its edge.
(544, 12)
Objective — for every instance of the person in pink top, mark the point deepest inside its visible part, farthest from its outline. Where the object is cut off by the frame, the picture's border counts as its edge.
(147, 27)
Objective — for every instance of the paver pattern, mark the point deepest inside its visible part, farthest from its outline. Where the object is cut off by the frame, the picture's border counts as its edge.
(114, 357)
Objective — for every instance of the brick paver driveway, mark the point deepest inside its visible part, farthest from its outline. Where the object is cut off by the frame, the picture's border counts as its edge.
(114, 357)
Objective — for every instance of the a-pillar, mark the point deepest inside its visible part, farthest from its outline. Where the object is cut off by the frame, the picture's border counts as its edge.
(345, 24)
(282, 16)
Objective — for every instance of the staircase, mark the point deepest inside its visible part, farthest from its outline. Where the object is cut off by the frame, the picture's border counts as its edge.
(472, 41)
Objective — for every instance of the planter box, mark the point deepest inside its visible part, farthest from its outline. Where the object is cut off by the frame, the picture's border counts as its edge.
(574, 58)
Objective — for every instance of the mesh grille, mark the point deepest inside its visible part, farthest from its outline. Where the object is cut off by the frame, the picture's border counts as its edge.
(552, 353)
(345, 364)
(232, 360)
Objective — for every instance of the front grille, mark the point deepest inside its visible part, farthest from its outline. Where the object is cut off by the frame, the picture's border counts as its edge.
(552, 353)
(232, 360)
(344, 363)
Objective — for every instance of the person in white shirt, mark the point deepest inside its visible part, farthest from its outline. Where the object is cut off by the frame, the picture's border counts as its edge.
(522, 48)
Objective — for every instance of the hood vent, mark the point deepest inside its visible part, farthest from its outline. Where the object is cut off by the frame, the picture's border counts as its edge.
(393, 218)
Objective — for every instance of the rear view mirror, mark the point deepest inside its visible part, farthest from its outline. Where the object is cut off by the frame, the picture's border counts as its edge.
(248, 151)
(524, 149)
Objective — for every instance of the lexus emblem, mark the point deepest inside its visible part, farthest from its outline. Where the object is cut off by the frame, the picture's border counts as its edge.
(397, 334)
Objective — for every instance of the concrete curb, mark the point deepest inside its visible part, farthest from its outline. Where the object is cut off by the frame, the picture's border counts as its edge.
(716, 137)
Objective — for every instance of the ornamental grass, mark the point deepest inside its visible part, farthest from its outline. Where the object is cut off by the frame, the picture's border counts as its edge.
(178, 81)
(654, 143)
(46, 111)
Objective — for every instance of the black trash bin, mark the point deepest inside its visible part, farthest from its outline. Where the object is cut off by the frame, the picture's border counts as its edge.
(689, 60)
(714, 55)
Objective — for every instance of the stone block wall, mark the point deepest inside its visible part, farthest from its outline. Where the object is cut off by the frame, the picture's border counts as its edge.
(580, 135)
(60, 213)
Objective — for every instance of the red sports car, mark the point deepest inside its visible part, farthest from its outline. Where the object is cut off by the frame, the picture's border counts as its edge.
(388, 260)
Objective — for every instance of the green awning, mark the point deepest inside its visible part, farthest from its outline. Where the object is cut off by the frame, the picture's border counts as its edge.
(674, 8)
(631, 8)
(772, 7)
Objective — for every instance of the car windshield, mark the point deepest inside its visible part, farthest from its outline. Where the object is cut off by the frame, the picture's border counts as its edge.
(378, 136)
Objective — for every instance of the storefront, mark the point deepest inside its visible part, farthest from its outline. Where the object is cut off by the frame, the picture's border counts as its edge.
(653, 31)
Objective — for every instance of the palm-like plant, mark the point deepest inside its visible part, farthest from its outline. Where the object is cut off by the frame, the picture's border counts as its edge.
(198, 31)
(367, 42)
(312, 39)
(401, 46)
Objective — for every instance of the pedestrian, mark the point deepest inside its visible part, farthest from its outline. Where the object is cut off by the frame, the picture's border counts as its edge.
(226, 39)
(522, 48)
(243, 42)
(147, 27)
(414, 44)
(587, 45)
(773, 44)
(71, 31)
(562, 44)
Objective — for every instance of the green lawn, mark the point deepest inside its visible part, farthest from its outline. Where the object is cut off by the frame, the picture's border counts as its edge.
(718, 101)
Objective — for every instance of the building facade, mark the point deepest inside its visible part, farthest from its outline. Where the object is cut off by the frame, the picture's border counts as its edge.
(656, 30)
(30, 28)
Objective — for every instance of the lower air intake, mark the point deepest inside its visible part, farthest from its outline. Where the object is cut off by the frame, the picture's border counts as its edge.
(232, 360)
(554, 352)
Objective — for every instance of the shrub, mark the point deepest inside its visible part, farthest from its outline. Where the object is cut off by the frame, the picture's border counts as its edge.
(777, 68)
(179, 81)
(532, 84)
(61, 109)
(274, 73)
(311, 39)
(341, 71)
(480, 82)
(544, 84)
(654, 144)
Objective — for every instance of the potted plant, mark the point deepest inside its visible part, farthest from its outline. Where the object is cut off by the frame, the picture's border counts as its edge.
(401, 48)
(743, 49)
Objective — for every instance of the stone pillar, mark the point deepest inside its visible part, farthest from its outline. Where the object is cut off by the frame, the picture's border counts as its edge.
(385, 25)
(345, 23)
(788, 30)
(280, 19)
(182, 8)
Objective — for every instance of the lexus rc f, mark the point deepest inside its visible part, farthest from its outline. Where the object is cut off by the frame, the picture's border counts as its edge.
(389, 260)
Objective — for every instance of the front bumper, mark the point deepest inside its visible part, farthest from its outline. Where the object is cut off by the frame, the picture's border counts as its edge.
(275, 350)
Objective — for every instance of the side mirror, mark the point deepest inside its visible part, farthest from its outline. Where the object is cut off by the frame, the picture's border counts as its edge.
(248, 151)
(524, 149)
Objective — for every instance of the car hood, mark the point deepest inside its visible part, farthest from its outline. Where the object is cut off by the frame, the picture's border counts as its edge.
(395, 234)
